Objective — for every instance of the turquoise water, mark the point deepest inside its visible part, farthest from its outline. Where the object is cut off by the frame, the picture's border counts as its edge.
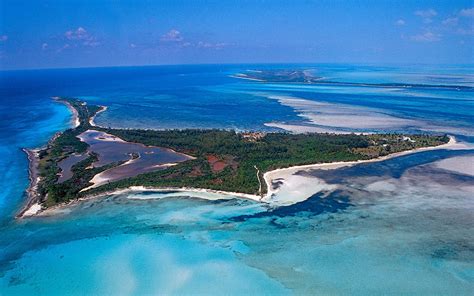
(399, 226)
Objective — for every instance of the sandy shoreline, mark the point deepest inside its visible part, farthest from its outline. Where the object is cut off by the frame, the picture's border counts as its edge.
(91, 120)
(246, 78)
(75, 116)
(32, 203)
(286, 172)
(52, 210)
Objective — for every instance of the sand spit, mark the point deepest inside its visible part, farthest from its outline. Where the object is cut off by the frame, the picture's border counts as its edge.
(285, 174)
(92, 119)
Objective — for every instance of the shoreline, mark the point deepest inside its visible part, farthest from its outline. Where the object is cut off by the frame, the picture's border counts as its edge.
(268, 177)
(285, 172)
(30, 208)
(246, 78)
(75, 116)
(91, 120)
(51, 210)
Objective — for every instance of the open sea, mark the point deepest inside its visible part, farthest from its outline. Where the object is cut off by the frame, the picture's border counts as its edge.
(401, 226)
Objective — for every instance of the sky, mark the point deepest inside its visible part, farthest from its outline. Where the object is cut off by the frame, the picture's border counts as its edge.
(72, 33)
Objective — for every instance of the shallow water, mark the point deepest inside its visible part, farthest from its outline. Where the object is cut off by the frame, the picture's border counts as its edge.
(111, 149)
(66, 165)
(399, 226)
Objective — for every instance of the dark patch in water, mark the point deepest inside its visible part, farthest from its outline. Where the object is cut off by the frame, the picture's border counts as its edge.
(16, 280)
(461, 250)
(319, 203)
(393, 168)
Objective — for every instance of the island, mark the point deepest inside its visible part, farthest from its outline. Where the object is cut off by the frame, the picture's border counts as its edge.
(308, 76)
(88, 160)
(276, 75)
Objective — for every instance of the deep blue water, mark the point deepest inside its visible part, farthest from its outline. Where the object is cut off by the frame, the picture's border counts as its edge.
(406, 222)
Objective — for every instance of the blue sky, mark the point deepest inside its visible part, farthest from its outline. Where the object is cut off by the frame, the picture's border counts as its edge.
(68, 33)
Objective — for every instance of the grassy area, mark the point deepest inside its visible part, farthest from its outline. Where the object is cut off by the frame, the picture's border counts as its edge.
(224, 160)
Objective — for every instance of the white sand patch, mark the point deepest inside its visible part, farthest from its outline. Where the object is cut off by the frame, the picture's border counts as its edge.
(244, 76)
(160, 194)
(33, 210)
(340, 116)
(462, 164)
(99, 136)
(165, 165)
(382, 186)
(101, 178)
(295, 188)
(96, 181)
(300, 129)
(92, 119)
(194, 192)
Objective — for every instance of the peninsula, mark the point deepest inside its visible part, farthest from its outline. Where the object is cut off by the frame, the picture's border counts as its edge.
(88, 160)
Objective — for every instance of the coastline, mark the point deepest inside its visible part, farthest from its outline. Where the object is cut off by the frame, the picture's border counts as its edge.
(285, 172)
(75, 116)
(30, 208)
(268, 177)
(91, 120)
(32, 204)
(131, 189)
(246, 78)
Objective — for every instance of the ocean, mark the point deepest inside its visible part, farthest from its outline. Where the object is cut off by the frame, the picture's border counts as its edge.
(400, 226)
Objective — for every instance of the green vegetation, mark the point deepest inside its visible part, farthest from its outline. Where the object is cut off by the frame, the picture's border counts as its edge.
(224, 160)
(61, 146)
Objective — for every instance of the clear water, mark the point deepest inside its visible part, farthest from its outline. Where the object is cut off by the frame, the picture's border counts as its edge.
(399, 226)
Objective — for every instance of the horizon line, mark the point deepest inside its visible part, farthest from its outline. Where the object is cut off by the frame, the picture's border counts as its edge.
(243, 63)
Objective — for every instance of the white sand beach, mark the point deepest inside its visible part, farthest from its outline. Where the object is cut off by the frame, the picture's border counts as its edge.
(92, 119)
(245, 77)
(75, 122)
(32, 210)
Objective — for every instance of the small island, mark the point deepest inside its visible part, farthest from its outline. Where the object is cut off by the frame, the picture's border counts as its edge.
(88, 160)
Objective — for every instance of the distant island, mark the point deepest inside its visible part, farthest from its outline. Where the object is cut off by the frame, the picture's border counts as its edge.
(88, 160)
(307, 76)
(283, 75)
